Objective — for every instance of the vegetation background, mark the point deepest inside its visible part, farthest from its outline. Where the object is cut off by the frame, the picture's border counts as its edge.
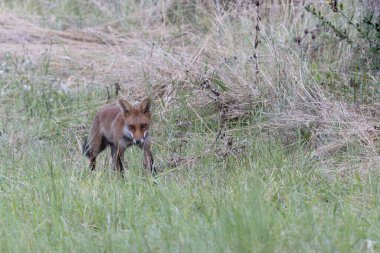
(266, 125)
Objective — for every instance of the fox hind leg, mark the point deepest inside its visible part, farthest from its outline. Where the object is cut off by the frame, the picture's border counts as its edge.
(92, 163)
(96, 145)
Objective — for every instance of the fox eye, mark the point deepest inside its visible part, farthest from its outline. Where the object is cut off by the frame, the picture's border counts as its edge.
(143, 126)
(131, 127)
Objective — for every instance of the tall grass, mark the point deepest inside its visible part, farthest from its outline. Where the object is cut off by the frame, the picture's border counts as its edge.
(265, 201)
(257, 140)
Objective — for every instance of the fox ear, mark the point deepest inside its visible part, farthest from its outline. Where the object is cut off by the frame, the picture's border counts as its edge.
(125, 106)
(145, 105)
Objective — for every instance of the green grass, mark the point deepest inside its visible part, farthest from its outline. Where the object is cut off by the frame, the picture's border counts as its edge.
(267, 202)
(268, 199)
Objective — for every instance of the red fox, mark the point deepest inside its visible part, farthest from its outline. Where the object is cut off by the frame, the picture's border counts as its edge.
(120, 126)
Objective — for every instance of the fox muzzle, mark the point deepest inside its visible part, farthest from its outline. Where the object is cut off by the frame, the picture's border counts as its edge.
(138, 142)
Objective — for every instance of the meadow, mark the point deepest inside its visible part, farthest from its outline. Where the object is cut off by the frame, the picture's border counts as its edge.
(266, 131)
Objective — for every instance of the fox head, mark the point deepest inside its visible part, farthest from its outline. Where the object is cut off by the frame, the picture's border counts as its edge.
(136, 120)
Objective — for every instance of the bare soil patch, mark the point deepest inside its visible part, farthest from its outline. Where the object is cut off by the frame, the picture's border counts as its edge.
(96, 56)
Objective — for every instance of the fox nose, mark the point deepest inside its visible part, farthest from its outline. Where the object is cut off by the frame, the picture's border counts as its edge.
(138, 141)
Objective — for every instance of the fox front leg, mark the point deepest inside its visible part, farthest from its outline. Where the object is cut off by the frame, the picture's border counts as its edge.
(148, 161)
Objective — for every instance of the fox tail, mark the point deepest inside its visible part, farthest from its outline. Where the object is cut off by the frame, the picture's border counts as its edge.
(86, 147)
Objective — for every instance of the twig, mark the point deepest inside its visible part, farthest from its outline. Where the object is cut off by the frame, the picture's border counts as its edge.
(108, 94)
(117, 88)
(257, 41)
